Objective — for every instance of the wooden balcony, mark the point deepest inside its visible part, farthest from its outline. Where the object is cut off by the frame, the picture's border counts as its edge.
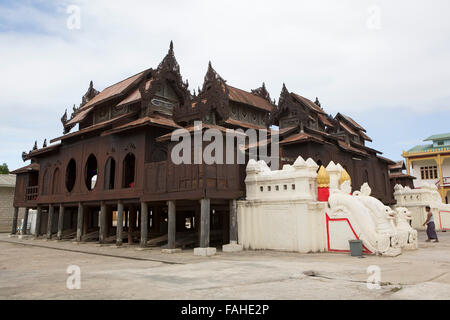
(31, 193)
(165, 181)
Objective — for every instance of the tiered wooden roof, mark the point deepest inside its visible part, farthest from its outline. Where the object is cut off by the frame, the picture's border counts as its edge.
(214, 97)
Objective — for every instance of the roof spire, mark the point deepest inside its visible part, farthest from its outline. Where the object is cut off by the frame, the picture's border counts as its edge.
(64, 118)
(262, 92)
(317, 102)
(90, 93)
(211, 74)
(169, 62)
(283, 95)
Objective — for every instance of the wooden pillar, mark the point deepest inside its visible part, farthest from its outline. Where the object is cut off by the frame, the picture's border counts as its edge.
(80, 217)
(205, 205)
(60, 222)
(109, 221)
(37, 227)
(144, 223)
(119, 239)
(132, 224)
(51, 210)
(233, 221)
(126, 220)
(14, 222)
(25, 222)
(102, 229)
(441, 178)
(87, 212)
(197, 221)
(138, 220)
(171, 229)
(408, 166)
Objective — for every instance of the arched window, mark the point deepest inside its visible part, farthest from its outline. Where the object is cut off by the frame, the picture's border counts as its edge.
(90, 172)
(55, 182)
(110, 173)
(71, 175)
(128, 171)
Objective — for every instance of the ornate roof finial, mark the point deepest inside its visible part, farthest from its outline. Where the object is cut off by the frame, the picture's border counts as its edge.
(169, 62)
(283, 95)
(262, 92)
(211, 75)
(90, 93)
(45, 143)
(317, 102)
(64, 118)
(35, 145)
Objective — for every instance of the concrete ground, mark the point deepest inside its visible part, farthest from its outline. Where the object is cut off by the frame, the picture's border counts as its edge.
(37, 269)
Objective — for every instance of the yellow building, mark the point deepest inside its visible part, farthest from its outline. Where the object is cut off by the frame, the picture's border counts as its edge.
(431, 163)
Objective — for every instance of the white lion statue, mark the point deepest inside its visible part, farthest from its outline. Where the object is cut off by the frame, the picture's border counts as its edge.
(407, 235)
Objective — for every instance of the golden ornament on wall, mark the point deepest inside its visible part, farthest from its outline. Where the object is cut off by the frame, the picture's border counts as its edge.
(344, 177)
(323, 178)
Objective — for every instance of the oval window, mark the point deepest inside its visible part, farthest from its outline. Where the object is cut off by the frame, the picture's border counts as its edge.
(71, 175)
(91, 171)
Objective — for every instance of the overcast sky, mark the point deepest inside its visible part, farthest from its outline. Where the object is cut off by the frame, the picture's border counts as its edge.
(384, 63)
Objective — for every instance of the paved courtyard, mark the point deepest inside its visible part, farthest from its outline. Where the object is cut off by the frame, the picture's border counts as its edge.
(37, 269)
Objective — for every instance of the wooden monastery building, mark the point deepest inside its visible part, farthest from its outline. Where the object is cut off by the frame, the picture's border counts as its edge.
(113, 179)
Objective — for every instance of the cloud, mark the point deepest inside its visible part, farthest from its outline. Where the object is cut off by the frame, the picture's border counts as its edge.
(318, 48)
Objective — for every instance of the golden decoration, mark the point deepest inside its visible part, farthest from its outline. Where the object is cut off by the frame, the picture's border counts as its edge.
(323, 178)
(344, 177)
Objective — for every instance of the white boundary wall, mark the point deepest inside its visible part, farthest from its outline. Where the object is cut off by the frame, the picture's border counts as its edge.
(415, 200)
(281, 211)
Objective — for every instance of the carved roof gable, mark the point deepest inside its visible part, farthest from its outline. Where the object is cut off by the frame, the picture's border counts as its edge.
(168, 72)
(213, 97)
(169, 63)
(263, 93)
(90, 93)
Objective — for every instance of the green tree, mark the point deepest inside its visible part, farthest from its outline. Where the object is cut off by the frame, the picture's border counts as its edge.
(4, 169)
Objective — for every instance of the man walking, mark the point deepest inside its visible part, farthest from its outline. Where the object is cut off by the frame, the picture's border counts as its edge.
(431, 229)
